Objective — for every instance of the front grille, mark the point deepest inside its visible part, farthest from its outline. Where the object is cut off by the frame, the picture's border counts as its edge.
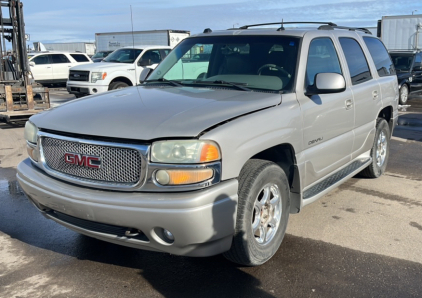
(118, 165)
(95, 226)
(79, 75)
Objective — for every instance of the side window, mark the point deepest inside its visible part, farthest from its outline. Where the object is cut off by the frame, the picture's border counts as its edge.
(380, 56)
(60, 58)
(322, 57)
(358, 66)
(42, 59)
(79, 57)
(417, 65)
(153, 55)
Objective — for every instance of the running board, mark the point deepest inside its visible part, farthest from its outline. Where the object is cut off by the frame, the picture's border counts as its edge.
(333, 180)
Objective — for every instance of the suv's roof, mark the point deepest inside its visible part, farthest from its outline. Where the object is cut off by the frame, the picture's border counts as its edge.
(281, 29)
(53, 52)
(405, 51)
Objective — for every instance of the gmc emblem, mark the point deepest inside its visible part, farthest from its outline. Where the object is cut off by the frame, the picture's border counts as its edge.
(82, 160)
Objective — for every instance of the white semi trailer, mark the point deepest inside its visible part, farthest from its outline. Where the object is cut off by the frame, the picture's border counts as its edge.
(83, 47)
(115, 40)
(401, 32)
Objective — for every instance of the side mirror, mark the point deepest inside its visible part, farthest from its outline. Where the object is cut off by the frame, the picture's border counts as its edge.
(32, 64)
(144, 74)
(325, 83)
(145, 62)
(417, 67)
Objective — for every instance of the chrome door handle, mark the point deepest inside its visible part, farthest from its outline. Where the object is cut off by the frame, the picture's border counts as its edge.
(349, 104)
(375, 94)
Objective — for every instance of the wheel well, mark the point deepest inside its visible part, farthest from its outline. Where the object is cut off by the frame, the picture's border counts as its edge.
(122, 79)
(284, 156)
(387, 114)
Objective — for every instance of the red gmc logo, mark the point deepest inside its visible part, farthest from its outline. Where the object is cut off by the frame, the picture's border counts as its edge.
(82, 160)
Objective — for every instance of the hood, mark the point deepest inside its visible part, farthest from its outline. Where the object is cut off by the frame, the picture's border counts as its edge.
(102, 66)
(403, 75)
(146, 113)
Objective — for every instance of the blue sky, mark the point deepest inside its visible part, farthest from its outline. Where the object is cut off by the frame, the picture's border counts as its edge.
(77, 20)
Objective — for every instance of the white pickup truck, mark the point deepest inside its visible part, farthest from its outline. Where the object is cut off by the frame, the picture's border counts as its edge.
(118, 70)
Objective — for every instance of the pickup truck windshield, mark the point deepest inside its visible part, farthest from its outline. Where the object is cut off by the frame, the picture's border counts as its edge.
(402, 62)
(255, 62)
(123, 56)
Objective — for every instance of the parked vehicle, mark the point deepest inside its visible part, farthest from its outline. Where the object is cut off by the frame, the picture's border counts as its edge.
(53, 67)
(198, 167)
(118, 70)
(111, 41)
(409, 72)
(99, 56)
(401, 32)
(82, 47)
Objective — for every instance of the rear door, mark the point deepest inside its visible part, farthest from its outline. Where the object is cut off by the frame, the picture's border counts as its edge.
(61, 65)
(42, 70)
(416, 84)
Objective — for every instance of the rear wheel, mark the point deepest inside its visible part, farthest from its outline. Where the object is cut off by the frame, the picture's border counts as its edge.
(404, 94)
(262, 214)
(117, 85)
(380, 151)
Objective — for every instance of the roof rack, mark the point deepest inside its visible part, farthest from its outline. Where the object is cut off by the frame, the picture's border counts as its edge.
(324, 26)
(283, 23)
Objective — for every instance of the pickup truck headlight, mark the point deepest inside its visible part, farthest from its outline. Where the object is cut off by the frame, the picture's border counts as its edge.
(30, 133)
(97, 76)
(185, 152)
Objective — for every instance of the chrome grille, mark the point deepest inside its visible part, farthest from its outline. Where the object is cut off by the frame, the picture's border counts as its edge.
(118, 165)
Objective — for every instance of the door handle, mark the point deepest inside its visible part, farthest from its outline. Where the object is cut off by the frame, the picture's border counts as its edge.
(349, 104)
(375, 94)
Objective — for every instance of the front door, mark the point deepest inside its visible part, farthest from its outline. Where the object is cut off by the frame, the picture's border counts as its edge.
(42, 68)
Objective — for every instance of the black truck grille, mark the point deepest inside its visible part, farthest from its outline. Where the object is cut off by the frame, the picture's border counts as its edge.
(79, 75)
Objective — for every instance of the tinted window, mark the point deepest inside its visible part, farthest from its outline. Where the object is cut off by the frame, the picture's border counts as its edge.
(380, 56)
(153, 55)
(322, 57)
(43, 59)
(402, 62)
(60, 58)
(80, 57)
(358, 66)
(417, 61)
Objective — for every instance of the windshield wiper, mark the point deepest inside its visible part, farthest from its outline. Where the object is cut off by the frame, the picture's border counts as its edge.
(174, 83)
(239, 86)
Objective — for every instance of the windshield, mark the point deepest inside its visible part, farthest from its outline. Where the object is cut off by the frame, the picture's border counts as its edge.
(258, 62)
(100, 55)
(123, 56)
(402, 62)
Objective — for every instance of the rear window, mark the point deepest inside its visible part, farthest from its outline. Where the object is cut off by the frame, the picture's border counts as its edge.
(380, 56)
(80, 57)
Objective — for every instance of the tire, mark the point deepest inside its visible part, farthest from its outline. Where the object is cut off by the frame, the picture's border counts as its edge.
(403, 94)
(380, 151)
(117, 85)
(258, 178)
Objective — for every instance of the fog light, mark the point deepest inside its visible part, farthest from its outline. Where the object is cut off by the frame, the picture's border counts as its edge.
(32, 152)
(94, 90)
(162, 177)
(168, 235)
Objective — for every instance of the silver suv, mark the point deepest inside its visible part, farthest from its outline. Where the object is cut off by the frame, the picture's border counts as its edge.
(212, 155)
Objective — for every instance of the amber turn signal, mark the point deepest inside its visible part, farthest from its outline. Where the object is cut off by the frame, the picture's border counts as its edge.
(183, 177)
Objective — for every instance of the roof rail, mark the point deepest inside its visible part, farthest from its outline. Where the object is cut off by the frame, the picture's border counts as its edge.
(332, 27)
(283, 23)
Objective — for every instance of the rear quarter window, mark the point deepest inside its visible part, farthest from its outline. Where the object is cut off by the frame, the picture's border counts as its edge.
(80, 57)
(380, 56)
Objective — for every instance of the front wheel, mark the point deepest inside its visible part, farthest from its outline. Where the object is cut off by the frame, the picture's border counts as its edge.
(262, 213)
(117, 85)
(404, 94)
(380, 151)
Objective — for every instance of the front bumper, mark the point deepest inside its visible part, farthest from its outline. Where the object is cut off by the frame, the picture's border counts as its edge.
(202, 222)
(84, 88)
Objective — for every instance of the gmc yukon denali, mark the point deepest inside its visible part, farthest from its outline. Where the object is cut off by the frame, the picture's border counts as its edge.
(208, 156)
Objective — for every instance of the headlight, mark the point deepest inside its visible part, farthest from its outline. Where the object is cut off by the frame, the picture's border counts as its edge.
(96, 76)
(31, 132)
(31, 137)
(185, 152)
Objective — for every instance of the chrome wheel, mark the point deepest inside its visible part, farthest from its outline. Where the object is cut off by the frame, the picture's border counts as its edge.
(381, 149)
(404, 94)
(266, 214)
